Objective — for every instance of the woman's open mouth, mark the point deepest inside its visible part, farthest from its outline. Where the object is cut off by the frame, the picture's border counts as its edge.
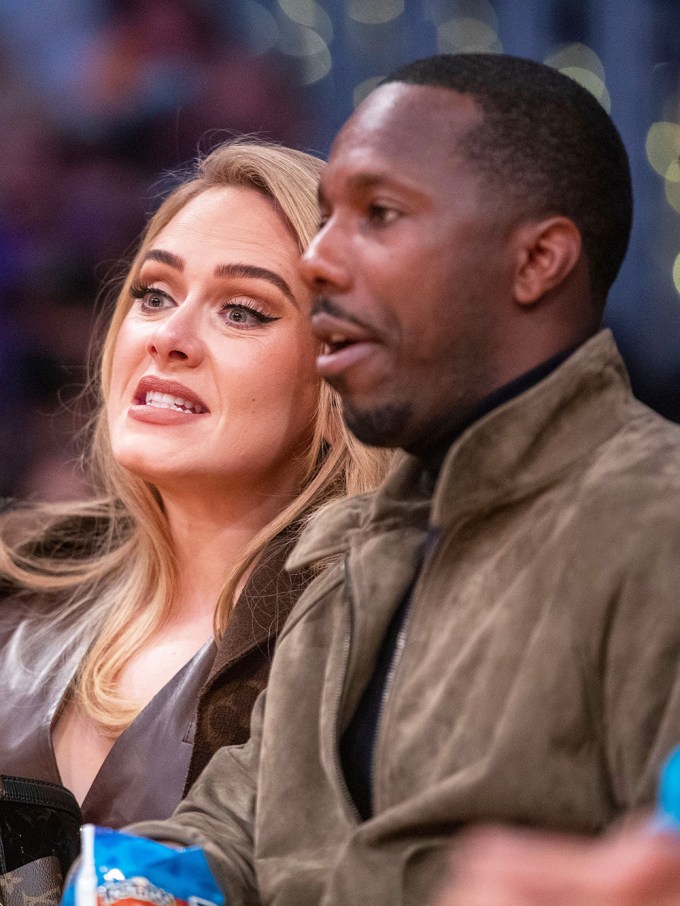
(160, 401)
(168, 401)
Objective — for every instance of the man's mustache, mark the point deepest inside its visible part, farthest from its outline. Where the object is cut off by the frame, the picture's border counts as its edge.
(323, 305)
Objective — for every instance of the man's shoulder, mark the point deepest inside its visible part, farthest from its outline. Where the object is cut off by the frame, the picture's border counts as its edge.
(625, 506)
(644, 452)
(327, 534)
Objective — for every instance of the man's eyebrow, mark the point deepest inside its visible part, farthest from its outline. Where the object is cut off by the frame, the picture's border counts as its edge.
(256, 273)
(357, 182)
(165, 258)
(366, 180)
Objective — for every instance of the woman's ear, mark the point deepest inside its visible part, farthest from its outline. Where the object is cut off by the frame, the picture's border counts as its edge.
(547, 252)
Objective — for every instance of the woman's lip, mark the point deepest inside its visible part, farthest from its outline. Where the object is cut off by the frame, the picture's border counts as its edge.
(154, 415)
(173, 388)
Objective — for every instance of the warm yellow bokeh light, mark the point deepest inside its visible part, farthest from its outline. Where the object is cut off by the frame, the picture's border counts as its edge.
(311, 50)
(577, 55)
(374, 12)
(582, 64)
(311, 14)
(676, 273)
(464, 35)
(672, 190)
(363, 89)
(592, 82)
(663, 150)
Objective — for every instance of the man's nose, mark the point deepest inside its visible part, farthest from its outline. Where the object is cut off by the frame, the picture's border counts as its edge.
(177, 338)
(325, 266)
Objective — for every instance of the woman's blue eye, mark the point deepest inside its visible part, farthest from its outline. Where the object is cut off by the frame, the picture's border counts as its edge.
(240, 315)
(245, 315)
(150, 299)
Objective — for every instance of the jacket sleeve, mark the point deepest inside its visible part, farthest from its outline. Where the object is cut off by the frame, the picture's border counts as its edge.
(218, 815)
(640, 659)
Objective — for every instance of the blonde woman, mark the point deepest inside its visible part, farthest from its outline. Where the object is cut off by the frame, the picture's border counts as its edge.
(136, 629)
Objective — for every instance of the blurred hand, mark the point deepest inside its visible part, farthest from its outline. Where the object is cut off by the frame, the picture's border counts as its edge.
(498, 867)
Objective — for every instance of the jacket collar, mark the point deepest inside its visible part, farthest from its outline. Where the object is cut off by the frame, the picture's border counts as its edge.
(262, 607)
(525, 444)
(518, 448)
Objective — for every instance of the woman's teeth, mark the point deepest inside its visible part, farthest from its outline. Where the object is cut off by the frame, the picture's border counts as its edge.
(168, 401)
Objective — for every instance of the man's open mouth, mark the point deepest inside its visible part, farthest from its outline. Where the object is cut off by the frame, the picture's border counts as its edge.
(339, 341)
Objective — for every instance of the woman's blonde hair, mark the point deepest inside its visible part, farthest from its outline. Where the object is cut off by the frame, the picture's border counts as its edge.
(119, 587)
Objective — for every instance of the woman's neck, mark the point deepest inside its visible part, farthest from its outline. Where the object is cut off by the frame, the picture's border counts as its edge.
(209, 541)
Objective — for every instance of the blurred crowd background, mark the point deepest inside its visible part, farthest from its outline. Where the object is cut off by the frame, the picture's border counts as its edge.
(101, 101)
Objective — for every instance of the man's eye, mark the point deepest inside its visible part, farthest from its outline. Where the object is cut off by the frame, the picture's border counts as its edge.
(381, 214)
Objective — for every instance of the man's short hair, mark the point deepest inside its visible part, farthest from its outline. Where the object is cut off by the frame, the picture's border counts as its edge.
(546, 146)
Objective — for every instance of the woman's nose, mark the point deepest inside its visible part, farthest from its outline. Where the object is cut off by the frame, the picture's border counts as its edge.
(177, 338)
(325, 264)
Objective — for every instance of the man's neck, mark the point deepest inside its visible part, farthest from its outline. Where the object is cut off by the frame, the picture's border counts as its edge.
(434, 455)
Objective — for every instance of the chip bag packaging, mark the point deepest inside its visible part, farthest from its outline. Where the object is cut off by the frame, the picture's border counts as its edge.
(118, 869)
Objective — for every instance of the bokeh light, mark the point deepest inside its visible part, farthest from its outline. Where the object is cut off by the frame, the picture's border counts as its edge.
(663, 150)
(440, 11)
(577, 55)
(672, 190)
(465, 35)
(473, 28)
(310, 14)
(582, 64)
(590, 81)
(676, 273)
(374, 12)
(260, 26)
(309, 48)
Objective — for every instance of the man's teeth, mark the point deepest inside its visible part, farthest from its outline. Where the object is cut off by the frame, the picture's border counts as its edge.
(338, 340)
(168, 401)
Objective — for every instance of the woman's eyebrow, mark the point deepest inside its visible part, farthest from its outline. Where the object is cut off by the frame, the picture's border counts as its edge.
(165, 258)
(256, 273)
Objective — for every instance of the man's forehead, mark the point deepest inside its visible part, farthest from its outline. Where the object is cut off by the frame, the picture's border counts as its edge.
(400, 118)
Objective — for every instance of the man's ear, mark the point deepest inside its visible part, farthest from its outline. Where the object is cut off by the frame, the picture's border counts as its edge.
(547, 252)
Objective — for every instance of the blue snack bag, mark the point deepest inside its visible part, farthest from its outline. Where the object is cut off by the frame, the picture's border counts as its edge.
(132, 871)
(667, 815)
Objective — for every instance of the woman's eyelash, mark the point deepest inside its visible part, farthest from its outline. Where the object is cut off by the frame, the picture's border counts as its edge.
(148, 296)
(142, 290)
(139, 290)
(252, 309)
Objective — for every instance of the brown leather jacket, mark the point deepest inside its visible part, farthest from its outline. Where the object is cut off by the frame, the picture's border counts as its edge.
(205, 706)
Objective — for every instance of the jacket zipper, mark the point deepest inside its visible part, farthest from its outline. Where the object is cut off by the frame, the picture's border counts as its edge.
(430, 550)
(351, 807)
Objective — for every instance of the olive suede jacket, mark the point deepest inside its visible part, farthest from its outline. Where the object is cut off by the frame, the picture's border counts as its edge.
(204, 709)
(539, 678)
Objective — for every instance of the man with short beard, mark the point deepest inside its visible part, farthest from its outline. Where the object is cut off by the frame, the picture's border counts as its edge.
(497, 636)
